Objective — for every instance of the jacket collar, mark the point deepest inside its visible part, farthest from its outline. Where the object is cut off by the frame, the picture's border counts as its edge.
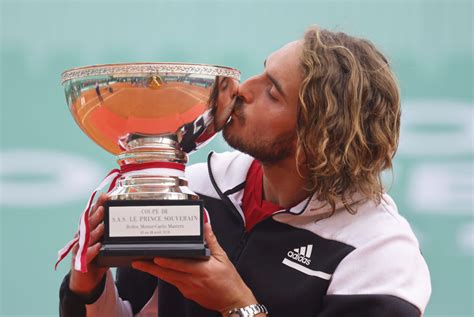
(228, 172)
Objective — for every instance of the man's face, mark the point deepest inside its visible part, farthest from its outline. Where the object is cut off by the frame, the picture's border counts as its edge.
(263, 121)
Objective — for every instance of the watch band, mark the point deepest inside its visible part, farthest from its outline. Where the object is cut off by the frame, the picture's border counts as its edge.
(248, 311)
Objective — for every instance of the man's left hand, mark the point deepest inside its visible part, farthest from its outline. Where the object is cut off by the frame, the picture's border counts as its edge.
(214, 284)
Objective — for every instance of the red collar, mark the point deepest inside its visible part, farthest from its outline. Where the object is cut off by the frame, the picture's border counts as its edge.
(254, 207)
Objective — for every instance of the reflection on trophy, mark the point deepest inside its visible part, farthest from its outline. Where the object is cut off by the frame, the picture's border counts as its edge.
(150, 116)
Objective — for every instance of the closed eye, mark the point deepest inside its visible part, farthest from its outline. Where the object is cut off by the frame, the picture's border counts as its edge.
(271, 93)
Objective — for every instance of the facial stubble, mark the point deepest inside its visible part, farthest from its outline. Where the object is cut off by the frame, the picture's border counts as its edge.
(267, 151)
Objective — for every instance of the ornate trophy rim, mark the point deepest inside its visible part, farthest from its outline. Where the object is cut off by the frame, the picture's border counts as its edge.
(148, 68)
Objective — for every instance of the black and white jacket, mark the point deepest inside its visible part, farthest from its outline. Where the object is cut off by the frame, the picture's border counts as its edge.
(297, 262)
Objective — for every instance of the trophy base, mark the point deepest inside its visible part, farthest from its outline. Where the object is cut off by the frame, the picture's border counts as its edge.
(144, 229)
(117, 255)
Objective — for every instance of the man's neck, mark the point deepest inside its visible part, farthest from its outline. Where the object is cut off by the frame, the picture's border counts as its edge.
(282, 184)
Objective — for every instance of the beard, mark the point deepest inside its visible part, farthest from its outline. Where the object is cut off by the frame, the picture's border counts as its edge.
(268, 152)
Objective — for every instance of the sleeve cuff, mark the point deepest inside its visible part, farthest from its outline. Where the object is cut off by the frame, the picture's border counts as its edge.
(85, 300)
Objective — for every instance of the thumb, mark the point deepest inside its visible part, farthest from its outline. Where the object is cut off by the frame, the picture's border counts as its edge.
(211, 241)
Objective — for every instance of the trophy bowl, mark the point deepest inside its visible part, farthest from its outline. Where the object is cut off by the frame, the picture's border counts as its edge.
(151, 115)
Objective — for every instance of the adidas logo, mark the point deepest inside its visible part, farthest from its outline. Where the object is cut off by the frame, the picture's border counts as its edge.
(301, 254)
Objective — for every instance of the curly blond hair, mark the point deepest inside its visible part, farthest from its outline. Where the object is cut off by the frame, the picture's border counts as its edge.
(348, 118)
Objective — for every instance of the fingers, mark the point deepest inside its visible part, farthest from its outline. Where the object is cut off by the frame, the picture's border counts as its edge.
(195, 266)
(96, 234)
(190, 266)
(97, 231)
(96, 228)
(92, 252)
(102, 199)
(100, 202)
(212, 242)
(96, 218)
(168, 275)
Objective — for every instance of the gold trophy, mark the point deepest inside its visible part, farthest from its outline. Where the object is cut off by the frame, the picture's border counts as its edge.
(150, 115)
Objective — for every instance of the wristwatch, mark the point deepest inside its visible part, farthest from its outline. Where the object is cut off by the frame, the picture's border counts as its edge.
(248, 311)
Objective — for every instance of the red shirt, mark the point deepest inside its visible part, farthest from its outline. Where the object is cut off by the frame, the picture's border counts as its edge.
(255, 209)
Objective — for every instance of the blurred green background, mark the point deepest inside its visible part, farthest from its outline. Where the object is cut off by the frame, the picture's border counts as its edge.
(49, 167)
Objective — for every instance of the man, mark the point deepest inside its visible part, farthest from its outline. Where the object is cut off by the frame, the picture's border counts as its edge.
(97, 91)
(300, 223)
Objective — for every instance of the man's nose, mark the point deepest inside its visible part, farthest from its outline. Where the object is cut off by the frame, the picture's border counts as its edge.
(244, 91)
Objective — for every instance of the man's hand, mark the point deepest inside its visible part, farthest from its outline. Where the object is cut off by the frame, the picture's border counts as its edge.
(84, 283)
(214, 284)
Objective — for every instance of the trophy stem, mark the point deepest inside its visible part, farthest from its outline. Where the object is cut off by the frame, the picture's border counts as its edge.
(152, 169)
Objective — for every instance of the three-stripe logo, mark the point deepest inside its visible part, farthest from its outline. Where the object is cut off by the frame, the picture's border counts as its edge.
(301, 254)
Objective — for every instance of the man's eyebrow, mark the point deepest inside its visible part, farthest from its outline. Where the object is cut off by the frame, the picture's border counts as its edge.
(274, 81)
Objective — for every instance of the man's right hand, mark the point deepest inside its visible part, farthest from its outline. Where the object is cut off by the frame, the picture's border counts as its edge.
(84, 283)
